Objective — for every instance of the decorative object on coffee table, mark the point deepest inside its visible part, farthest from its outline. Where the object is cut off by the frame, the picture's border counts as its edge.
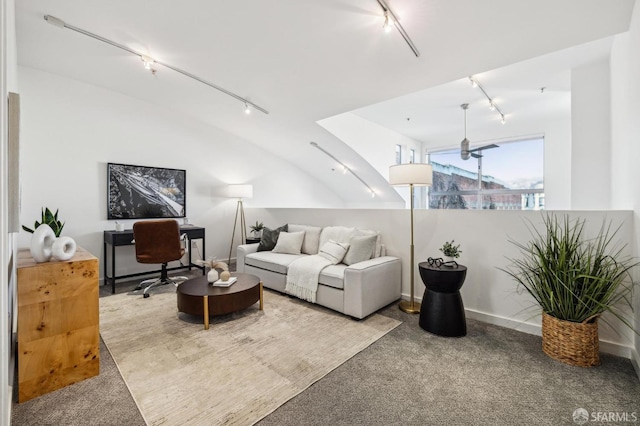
(213, 265)
(574, 278)
(411, 174)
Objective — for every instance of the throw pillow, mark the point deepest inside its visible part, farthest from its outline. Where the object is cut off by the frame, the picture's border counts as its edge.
(367, 232)
(341, 234)
(311, 237)
(270, 237)
(289, 242)
(334, 251)
(360, 249)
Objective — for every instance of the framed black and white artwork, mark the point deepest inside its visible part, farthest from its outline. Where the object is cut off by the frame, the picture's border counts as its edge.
(137, 192)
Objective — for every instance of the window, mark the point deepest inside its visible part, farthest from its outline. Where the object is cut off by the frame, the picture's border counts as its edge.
(502, 176)
(412, 155)
(398, 154)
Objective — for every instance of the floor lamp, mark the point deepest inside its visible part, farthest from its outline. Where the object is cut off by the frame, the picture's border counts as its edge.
(239, 192)
(412, 174)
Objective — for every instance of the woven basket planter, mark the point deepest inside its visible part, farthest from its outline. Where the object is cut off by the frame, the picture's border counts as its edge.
(573, 343)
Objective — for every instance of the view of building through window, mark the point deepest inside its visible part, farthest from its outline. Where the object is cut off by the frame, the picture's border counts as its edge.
(511, 177)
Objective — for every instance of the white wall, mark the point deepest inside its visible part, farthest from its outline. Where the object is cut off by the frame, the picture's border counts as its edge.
(488, 293)
(71, 130)
(377, 145)
(8, 83)
(591, 135)
(625, 110)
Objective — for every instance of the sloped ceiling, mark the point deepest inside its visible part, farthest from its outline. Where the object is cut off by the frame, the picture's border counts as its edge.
(303, 60)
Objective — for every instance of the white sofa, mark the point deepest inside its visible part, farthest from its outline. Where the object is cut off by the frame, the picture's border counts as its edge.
(357, 289)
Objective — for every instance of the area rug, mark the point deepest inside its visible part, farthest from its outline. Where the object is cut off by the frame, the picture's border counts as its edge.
(244, 367)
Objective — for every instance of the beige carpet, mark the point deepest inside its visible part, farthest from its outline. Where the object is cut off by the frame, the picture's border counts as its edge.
(241, 369)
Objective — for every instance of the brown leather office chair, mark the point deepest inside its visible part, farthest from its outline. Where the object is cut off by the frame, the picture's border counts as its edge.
(157, 241)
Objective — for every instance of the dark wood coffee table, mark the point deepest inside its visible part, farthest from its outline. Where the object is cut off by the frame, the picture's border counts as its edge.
(197, 297)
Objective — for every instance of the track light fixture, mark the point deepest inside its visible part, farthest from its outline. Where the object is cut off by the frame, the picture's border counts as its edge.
(344, 167)
(492, 105)
(149, 63)
(390, 21)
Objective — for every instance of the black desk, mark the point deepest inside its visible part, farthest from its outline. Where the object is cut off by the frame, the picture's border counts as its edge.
(125, 238)
(442, 311)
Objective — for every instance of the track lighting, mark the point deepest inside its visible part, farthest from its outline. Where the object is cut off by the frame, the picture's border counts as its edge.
(345, 169)
(391, 20)
(247, 110)
(388, 23)
(148, 61)
(492, 104)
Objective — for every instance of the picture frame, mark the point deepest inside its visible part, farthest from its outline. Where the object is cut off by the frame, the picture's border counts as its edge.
(139, 192)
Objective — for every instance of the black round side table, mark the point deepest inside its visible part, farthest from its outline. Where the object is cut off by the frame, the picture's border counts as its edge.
(442, 311)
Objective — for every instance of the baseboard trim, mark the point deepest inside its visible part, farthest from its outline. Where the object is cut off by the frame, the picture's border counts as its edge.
(635, 360)
(536, 329)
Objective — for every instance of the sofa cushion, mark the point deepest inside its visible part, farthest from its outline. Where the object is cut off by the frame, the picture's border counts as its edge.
(340, 234)
(367, 232)
(274, 262)
(360, 249)
(333, 276)
(311, 242)
(270, 237)
(334, 251)
(289, 242)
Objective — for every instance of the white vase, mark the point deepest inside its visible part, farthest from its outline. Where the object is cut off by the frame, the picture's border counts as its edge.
(63, 248)
(212, 275)
(41, 243)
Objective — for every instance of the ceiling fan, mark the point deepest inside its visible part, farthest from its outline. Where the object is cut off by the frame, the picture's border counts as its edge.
(465, 152)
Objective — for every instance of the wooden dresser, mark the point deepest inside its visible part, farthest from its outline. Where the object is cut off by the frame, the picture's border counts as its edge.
(58, 323)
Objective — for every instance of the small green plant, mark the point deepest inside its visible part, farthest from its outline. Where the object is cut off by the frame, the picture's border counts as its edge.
(50, 219)
(259, 226)
(450, 250)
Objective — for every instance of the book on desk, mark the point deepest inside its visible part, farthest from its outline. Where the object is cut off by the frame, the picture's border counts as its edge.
(228, 283)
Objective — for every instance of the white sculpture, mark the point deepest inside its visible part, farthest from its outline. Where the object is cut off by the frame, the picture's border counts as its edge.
(45, 245)
(42, 243)
(63, 248)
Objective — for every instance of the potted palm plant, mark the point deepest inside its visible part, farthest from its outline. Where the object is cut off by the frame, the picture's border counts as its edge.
(574, 280)
(256, 229)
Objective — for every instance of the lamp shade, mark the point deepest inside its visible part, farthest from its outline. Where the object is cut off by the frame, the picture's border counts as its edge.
(417, 174)
(240, 191)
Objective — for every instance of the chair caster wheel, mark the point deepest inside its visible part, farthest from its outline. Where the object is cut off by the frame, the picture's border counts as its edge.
(146, 295)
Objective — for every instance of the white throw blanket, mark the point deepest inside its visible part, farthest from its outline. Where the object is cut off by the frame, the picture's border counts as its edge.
(302, 276)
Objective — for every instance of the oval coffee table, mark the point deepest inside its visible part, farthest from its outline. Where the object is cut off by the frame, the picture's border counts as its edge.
(197, 297)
